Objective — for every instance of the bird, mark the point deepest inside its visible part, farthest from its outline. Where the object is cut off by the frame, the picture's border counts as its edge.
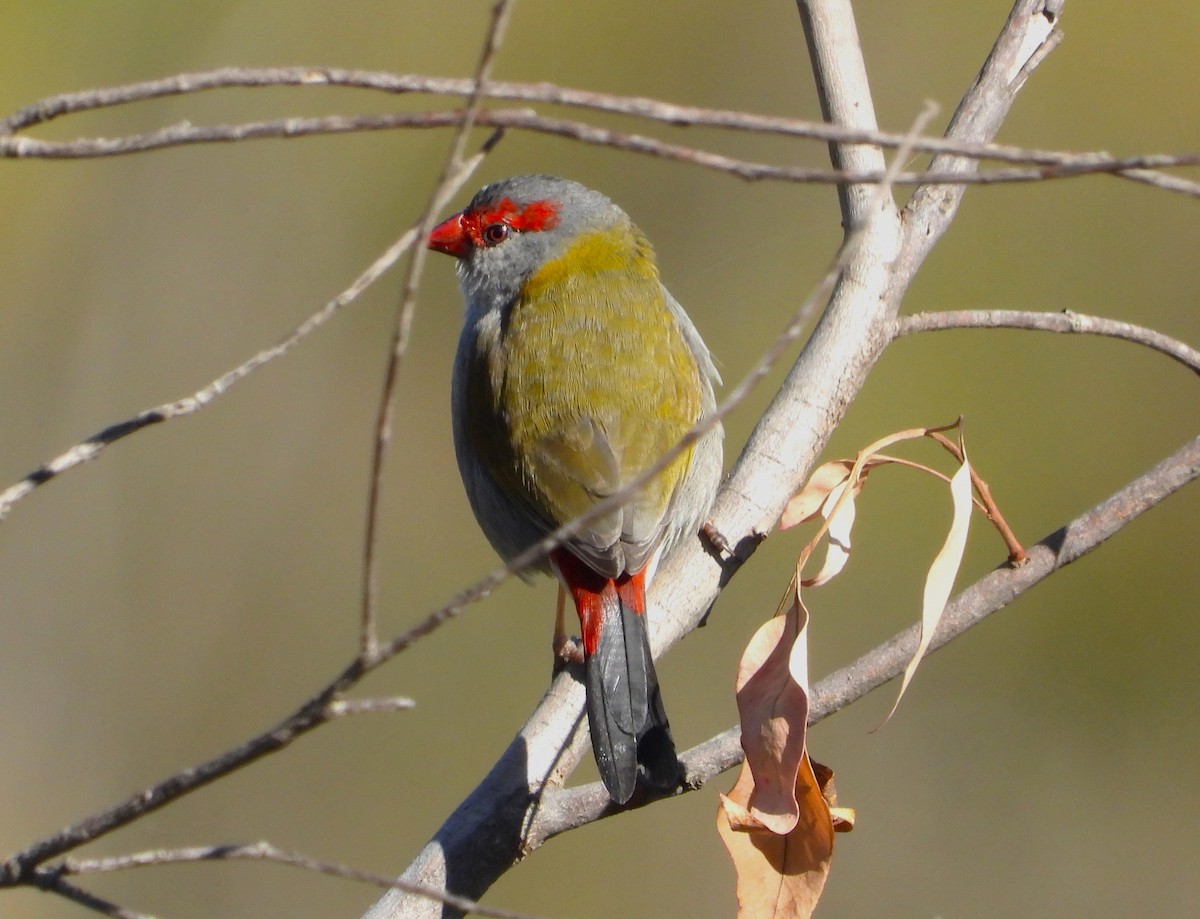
(575, 372)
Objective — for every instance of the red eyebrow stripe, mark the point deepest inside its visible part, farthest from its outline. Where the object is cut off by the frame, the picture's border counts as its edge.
(534, 216)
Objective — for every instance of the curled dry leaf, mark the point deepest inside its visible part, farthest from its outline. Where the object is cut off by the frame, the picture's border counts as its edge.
(776, 822)
(839, 511)
(843, 817)
(779, 876)
(773, 709)
(805, 504)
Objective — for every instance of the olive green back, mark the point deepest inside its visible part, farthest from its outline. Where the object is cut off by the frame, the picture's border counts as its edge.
(589, 381)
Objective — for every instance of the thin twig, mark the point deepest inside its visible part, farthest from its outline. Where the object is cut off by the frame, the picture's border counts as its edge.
(641, 107)
(265, 851)
(91, 447)
(1016, 552)
(447, 186)
(402, 327)
(340, 708)
(85, 898)
(1067, 321)
(1062, 165)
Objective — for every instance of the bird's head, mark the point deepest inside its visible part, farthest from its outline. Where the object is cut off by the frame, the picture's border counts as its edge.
(514, 227)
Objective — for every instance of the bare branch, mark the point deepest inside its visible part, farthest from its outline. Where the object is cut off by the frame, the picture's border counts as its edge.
(1056, 164)
(1067, 321)
(402, 327)
(55, 884)
(640, 107)
(1047, 165)
(1028, 35)
(644, 108)
(845, 96)
(340, 708)
(266, 852)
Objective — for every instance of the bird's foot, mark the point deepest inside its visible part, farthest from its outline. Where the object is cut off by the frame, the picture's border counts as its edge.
(715, 538)
(567, 650)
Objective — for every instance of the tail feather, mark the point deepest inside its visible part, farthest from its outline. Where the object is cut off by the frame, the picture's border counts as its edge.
(627, 721)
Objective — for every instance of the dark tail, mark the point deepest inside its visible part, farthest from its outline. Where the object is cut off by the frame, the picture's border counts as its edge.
(630, 733)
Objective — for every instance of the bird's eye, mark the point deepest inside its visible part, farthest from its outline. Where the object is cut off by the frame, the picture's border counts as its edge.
(495, 233)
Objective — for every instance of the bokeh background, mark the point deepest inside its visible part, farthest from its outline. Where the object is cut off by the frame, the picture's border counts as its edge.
(190, 587)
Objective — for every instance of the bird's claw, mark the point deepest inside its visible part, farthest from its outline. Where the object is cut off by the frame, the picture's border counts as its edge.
(567, 650)
(715, 538)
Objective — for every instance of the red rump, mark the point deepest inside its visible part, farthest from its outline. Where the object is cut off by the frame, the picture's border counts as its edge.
(631, 588)
(589, 590)
(464, 231)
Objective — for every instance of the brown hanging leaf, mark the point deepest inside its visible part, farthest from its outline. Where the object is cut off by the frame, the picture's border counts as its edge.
(776, 823)
(779, 876)
(772, 701)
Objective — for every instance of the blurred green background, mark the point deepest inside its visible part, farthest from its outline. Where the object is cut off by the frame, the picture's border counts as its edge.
(185, 591)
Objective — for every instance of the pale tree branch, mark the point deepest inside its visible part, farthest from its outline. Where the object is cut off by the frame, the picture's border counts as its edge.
(1029, 34)
(1045, 165)
(640, 107)
(1067, 322)
(840, 73)
(340, 708)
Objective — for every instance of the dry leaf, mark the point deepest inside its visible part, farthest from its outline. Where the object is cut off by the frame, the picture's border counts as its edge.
(773, 709)
(805, 504)
(839, 510)
(940, 579)
(779, 876)
(843, 817)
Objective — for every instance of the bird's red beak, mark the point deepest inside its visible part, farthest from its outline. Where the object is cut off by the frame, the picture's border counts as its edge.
(450, 236)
